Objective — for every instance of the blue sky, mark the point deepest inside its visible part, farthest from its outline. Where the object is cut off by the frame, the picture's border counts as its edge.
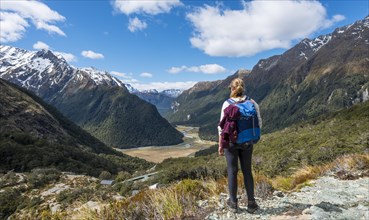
(170, 43)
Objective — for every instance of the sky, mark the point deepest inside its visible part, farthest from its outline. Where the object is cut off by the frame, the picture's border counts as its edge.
(166, 44)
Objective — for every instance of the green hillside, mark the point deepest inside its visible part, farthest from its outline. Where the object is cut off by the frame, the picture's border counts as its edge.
(314, 142)
(117, 118)
(34, 134)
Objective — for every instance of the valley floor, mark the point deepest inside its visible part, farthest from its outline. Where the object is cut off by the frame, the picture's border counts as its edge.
(324, 198)
(191, 144)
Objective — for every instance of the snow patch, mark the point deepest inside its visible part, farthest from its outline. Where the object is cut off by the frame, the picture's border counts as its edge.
(365, 95)
(302, 54)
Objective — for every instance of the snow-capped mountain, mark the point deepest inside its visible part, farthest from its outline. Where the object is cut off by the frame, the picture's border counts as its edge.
(152, 91)
(93, 99)
(312, 78)
(174, 93)
(162, 100)
(307, 48)
(130, 88)
(43, 70)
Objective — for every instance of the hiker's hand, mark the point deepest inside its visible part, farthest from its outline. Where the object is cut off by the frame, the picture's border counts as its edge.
(221, 151)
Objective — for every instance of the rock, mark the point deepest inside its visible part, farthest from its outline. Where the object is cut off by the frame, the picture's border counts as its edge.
(202, 203)
(329, 207)
(278, 194)
(318, 213)
(213, 216)
(55, 207)
(118, 197)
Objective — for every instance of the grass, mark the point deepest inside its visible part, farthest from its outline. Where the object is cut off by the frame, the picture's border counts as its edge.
(179, 200)
(344, 167)
(319, 141)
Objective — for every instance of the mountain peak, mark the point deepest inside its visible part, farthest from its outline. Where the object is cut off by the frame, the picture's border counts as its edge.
(48, 54)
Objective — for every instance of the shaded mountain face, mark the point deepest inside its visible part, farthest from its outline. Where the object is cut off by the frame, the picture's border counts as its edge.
(314, 77)
(93, 99)
(34, 134)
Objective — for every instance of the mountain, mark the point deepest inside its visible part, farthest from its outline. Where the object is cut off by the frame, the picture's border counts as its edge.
(34, 134)
(174, 93)
(315, 76)
(93, 99)
(162, 100)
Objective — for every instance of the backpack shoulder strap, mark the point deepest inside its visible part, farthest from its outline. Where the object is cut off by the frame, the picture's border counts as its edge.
(231, 101)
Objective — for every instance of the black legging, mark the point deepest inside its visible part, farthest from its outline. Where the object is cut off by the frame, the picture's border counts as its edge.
(245, 154)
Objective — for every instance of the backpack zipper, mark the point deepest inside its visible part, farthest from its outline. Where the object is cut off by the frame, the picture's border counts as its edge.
(253, 126)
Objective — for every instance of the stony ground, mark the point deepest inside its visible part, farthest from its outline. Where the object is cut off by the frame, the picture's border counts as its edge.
(325, 198)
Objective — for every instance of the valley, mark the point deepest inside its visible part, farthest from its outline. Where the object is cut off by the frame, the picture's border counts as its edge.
(191, 144)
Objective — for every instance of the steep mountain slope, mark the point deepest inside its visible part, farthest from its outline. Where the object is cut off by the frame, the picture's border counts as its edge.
(34, 134)
(93, 99)
(314, 77)
(200, 104)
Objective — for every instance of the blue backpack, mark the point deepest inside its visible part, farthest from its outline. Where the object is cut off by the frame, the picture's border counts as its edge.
(248, 129)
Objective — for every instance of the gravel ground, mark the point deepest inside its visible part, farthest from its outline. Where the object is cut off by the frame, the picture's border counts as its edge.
(326, 198)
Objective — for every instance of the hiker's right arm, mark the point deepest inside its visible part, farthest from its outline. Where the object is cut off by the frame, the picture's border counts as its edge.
(220, 148)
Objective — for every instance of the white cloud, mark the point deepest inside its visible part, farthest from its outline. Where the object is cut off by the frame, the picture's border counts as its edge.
(151, 7)
(92, 55)
(50, 28)
(136, 24)
(67, 56)
(12, 26)
(160, 86)
(335, 19)
(124, 77)
(39, 45)
(175, 70)
(259, 26)
(146, 75)
(15, 16)
(207, 69)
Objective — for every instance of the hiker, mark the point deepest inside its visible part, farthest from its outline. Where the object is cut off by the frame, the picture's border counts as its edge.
(233, 151)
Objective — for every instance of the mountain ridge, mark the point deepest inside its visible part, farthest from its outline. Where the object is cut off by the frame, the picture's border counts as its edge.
(293, 86)
(66, 88)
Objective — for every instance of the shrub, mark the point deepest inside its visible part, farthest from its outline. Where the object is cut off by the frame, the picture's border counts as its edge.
(10, 199)
(122, 175)
(40, 177)
(105, 175)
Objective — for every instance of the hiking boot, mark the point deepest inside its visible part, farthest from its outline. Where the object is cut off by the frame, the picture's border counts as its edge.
(252, 207)
(232, 206)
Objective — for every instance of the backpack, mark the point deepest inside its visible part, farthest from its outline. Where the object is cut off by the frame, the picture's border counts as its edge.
(248, 129)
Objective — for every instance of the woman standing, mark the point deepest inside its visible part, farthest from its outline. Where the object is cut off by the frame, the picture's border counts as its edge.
(243, 152)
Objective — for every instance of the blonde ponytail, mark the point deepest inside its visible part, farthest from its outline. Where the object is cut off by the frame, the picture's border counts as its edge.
(237, 87)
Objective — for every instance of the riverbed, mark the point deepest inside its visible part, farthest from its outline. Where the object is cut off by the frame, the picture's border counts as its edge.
(191, 144)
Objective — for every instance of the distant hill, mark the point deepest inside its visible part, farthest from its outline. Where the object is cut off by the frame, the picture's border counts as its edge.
(93, 99)
(34, 134)
(314, 77)
(162, 100)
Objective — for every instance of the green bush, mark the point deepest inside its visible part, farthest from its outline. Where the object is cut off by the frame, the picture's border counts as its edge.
(10, 199)
(104, 175)
(40, 177)
(122, 175)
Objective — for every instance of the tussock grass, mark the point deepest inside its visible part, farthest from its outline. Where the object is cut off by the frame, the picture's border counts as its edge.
(180, 200)
(173, 202)
(345, 167)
